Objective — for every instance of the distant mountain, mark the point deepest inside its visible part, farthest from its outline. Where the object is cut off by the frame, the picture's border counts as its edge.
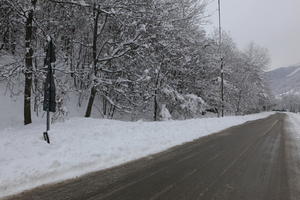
(284, 80)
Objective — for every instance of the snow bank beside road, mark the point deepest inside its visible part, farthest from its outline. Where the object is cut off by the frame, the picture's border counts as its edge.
(83, 145)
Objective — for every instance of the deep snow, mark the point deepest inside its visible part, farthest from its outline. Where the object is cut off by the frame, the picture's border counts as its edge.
(82, 145)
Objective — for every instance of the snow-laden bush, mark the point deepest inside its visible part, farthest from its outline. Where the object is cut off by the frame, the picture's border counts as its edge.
(181, 105)
(164, 114)
(193, 104)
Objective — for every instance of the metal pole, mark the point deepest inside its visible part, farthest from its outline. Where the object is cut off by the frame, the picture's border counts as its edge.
(221, 59)
(48, 120)
(46, 136)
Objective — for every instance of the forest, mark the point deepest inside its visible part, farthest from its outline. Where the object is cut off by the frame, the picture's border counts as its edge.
(128, 59)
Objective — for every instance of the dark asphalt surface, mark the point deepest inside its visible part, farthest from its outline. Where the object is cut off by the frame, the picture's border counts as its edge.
(246, 162)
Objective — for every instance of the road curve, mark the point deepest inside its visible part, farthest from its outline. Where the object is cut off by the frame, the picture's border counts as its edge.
(246, 162)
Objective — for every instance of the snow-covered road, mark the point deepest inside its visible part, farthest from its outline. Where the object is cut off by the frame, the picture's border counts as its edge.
(293, 153)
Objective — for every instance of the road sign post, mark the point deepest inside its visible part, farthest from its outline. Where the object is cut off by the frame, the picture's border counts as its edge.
(49, 86)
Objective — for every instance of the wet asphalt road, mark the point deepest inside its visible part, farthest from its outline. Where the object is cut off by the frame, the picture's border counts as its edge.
(246, 162)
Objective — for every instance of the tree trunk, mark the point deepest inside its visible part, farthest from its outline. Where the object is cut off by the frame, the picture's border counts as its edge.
(155, 114)
(93, 90)
(104, 106)
(28, 66)
(91, 101)
(112, 111)
(239, 103)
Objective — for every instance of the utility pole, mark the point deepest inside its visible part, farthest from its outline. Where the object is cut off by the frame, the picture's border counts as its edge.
(221, 60)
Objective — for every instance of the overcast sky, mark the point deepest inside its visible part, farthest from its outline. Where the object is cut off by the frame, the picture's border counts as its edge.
(274, 24)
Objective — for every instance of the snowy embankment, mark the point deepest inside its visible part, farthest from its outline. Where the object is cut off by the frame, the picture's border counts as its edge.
(83, 145)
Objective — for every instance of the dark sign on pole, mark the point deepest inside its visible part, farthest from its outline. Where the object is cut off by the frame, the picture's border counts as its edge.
(49, 92)
(49, 86)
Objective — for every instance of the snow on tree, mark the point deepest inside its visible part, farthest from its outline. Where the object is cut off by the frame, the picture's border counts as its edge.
(182, 105)
(128, 59)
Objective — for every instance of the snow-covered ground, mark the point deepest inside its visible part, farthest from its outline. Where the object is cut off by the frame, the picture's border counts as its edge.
(82, 145)
(10, 109)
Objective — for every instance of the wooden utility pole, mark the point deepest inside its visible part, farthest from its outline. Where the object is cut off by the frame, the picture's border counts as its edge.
(221, 60)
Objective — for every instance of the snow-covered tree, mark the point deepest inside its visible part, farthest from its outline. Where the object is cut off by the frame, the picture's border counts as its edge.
(127, 58)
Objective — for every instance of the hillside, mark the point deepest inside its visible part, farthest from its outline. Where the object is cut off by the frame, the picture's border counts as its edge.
(285, 80)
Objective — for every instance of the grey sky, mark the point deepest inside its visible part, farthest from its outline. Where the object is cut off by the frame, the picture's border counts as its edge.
(274, 24)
